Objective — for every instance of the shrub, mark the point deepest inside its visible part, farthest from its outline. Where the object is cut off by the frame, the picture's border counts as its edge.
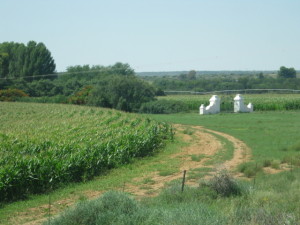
(81, 97)
(111, 208)
(11, 95)
(292, 159)
(275, 164)
(267, 162)
(250, 169)
(163, 107)
(224, 185)
(125, 93)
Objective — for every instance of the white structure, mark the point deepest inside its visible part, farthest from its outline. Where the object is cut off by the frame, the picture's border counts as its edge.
(239, 105)
(213, 108)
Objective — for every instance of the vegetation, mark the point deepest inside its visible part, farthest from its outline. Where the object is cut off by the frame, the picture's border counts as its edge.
(24, 61)
(271, 199)
(264, 203)
(224, 81)
(163, 107)
(287, 72)
(71, 144)
(121, 93)
(261, 102)
(259, 130)
(11, 95)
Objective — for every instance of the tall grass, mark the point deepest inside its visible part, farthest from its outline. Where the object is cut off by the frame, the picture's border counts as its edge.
(273, 200)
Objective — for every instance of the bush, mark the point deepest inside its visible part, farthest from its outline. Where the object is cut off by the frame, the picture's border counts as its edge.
(81, 97)
(163, 107)
(250, 169)
(125, 93)
(11, 95)
(46, 99)
(111, 208)
(224, 185)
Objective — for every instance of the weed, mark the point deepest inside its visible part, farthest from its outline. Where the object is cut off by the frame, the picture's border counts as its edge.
(167, 172)
(188, 131)
(197, 158)
(250, 169)
(267, 162)
(148, 180)
(275, 164)
(224, 185)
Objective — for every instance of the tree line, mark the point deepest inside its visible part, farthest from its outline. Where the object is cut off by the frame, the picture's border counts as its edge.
(284, 79)
(31, 69)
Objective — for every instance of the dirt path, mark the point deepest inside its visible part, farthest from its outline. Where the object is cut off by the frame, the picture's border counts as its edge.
(201, 143)
(242, 153)
(202, 146)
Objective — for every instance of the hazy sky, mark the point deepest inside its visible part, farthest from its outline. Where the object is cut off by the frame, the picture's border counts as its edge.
(160, 35)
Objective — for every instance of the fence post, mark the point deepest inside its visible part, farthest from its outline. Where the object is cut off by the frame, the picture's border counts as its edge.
(49, 209)
(183, 180)
(124, 186)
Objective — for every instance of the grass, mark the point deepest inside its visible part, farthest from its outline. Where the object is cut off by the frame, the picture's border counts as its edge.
(197, 158)
(270, 135)
(222, 200)
(224, 154)
(199, 173)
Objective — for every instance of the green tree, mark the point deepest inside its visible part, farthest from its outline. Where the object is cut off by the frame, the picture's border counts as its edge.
(286, 72)
(123, 93)
(3, 64)
(191, 75)
(122, 69)
(24, 61)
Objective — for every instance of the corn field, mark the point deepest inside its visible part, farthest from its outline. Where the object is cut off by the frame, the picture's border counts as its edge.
(261, 102)
(43, 146)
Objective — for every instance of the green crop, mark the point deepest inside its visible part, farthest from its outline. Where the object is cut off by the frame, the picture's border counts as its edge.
(261, 102)
(43, 146)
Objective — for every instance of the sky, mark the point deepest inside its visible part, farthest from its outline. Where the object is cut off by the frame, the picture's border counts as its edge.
(159, 35)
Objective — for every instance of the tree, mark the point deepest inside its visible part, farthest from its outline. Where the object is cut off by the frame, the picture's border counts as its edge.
(123, 93)
(286, 72)
(23, 61)
(122, 69)
(192, 75)
(3, 64)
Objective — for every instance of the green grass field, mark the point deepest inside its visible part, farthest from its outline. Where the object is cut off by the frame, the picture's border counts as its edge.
(269, 134)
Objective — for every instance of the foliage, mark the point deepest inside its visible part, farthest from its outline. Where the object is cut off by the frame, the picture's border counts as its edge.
(71, 144)
(18, 60)
(125, 93)
(218, 83)
(163, 107)
(287, 72)
(111, 208)
(224, 185)
(81, 97)
(250, 169)
(10, 95)
(273, 200)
